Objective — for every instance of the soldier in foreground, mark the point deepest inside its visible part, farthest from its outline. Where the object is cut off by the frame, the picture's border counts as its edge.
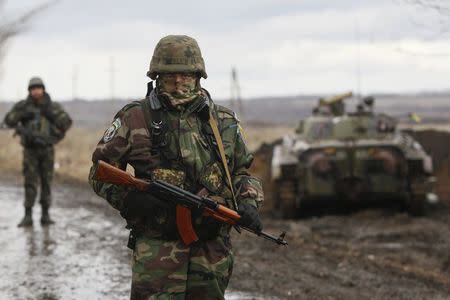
(168, 136)
(41, 123)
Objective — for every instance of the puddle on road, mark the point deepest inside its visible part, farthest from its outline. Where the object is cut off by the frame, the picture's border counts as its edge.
(84, 256)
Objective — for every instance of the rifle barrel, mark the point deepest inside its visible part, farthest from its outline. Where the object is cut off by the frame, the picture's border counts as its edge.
(110, 174)
(279, 240)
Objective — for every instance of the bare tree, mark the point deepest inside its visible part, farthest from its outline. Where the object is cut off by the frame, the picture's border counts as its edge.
(432, 20)
(437, 11)
(440, 6)
(11, 26)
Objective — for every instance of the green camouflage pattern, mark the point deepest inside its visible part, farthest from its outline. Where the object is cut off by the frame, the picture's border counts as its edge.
(165, 268)
(358, 156)
(50, 123)
(177, 53)
(179, 93)
(187, 150)
(170, 270)
(38, 172)
(175, 177)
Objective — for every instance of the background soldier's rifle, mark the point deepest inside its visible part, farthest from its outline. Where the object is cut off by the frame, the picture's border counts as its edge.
(30, 138)
(184, 200)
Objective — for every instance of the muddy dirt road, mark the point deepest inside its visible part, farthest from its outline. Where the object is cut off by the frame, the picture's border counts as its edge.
(370, 254)
(79, 258)
(82, 257)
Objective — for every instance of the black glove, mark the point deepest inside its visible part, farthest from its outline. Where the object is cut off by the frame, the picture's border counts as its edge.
(27, 116)
(140, 204)
(249, 217)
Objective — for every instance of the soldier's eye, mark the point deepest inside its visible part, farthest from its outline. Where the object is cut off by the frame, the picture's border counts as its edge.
(167, 76)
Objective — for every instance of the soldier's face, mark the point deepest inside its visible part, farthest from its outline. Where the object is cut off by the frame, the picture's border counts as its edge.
(37, 93)
(178, 84)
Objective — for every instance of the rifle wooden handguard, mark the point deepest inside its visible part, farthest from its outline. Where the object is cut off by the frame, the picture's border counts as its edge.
(110, 174)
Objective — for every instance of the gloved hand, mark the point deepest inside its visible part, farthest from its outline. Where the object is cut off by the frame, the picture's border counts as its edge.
(249, 217)
(27, 116)
(140, 204)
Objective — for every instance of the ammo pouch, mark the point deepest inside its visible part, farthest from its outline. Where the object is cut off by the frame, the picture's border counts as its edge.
(163, 220)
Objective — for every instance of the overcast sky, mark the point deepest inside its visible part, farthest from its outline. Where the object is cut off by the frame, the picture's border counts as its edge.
(279, 47)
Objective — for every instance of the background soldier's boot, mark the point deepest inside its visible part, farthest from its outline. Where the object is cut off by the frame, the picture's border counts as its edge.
(45, 219)
(27, 219)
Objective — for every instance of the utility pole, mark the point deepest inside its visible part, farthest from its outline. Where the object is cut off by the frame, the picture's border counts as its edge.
(112, 80)
(74, 82)
(235, 97)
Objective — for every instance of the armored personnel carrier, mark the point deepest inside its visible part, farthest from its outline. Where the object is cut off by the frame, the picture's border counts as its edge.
(358, 156)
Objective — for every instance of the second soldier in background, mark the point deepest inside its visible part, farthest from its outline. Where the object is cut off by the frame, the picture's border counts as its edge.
(167, 137)
(41, 123)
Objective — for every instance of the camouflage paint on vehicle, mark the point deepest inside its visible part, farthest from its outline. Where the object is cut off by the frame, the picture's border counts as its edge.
(351, 156)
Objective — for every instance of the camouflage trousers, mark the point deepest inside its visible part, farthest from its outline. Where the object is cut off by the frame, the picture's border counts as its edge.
(38, 169)
(169, 270)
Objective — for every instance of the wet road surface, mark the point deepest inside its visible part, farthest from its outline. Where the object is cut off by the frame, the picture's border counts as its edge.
(83, 256)
(373, 254)
(368, 254)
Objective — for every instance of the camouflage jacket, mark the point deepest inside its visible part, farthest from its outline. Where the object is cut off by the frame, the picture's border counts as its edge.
(188, 157)
(49, 121)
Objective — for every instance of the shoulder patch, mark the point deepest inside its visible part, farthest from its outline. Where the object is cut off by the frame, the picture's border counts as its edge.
(111, 131)
(225, 113)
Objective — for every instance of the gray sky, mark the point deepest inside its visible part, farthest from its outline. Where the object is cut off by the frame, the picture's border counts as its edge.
(280, 47)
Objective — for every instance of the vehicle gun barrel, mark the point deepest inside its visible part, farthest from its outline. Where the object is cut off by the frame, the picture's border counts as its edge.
(335, 99)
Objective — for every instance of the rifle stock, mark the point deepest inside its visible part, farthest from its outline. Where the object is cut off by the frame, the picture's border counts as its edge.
(110, 174)
(184, 201)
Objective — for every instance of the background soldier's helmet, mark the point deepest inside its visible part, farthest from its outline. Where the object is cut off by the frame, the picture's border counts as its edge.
(36, 82)
(177, 53)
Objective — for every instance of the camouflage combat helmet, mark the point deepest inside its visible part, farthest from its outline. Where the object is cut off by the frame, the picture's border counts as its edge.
(36, 82)
(177, 53)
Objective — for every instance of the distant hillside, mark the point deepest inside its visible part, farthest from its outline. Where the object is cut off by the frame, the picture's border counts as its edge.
(272, 110)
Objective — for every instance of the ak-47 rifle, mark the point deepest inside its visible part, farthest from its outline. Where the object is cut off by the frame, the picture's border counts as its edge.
(28, 136)
(184, 200)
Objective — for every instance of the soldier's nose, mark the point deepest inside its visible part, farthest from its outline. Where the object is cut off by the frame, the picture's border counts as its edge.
(178, 78)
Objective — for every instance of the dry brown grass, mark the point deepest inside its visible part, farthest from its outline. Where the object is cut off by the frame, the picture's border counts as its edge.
(427, 126)
(73, 154)
(256, 135)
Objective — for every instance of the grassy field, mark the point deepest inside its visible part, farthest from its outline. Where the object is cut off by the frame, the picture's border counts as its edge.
(73, 154)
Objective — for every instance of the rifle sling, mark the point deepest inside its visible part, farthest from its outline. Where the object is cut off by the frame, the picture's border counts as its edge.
(149, 113)
(218, 138)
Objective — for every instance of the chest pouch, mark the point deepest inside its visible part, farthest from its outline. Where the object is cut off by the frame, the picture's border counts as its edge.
(211, 178)
(174, 177)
